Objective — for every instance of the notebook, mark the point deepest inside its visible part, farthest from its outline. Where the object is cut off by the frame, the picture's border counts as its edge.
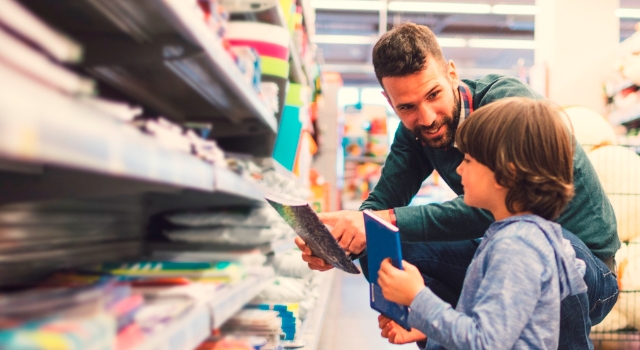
(383, 241)
(305, 222)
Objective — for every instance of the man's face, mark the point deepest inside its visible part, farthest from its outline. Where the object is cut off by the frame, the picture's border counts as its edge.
(427, 103)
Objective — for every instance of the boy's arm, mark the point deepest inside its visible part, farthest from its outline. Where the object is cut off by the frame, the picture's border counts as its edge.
(508, 294)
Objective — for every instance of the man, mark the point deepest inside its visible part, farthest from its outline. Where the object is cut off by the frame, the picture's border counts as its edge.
(441, 239)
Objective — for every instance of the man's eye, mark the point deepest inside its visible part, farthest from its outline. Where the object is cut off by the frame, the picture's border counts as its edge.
(433, 95)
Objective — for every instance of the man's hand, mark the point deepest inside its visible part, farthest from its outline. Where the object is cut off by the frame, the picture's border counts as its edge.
(396, 334)
(313, 261)
(348, 229)
(400, 286)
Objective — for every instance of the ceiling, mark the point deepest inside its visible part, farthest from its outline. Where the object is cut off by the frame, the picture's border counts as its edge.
(353, 60)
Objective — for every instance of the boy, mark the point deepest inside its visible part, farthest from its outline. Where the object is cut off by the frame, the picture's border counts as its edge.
(518, 165)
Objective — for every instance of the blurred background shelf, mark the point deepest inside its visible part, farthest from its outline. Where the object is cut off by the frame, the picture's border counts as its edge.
(74, 150)
(162, 54)
(363, 159)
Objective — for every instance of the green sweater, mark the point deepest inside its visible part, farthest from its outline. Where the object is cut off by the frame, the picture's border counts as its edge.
(589, 215)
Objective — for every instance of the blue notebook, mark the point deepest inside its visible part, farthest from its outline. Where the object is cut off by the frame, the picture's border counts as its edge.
(383, 241)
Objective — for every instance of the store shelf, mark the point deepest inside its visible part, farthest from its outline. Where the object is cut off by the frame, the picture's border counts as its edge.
(185, 334)
(161, 53)
(625, 115)
(378, 160)
(73, 149)
(312, 326)
(297, 72)
(235, 297)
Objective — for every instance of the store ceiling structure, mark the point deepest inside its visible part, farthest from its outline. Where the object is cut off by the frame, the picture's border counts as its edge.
(462, 31)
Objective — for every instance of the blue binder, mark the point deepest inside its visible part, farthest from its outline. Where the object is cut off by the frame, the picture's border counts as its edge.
(383, 241)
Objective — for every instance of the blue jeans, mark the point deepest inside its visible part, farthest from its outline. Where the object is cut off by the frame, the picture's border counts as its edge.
(444, 265)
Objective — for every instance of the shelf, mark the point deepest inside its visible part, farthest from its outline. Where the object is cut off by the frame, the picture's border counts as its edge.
(312, 326)
(68, 148)
(378, 160)
(162, 54)
(185, 334)
(235, 297)
(625, 115)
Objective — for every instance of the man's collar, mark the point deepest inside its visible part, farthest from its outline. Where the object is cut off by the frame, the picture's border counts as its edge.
(466, 104)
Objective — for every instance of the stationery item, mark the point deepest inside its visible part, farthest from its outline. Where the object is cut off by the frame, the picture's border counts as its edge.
(304, 221)
(383, 241)
(23, 22)
(23, 58)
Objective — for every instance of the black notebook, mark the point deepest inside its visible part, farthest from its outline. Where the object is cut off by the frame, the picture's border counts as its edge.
(304, 221)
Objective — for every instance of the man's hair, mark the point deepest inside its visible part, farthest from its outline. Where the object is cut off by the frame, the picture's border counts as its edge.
(404, 51)
(528, 147)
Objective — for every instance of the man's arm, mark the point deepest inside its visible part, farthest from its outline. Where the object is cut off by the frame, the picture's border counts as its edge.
(448, 221)
(405, 168)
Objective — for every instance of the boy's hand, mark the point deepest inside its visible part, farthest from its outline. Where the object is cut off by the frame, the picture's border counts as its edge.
(396, 334)
(400, 286)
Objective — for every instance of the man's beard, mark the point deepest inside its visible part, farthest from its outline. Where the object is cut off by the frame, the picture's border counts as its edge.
(450, 121)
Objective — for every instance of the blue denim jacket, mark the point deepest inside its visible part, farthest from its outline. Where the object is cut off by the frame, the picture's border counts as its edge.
(512, 291)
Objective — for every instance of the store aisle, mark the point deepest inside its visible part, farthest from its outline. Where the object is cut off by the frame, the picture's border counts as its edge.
(349, 322)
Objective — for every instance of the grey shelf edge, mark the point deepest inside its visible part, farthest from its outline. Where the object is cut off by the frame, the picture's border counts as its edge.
(312, 326)
(62, 131)
(299, 75)
(230, 301)
(188, 24)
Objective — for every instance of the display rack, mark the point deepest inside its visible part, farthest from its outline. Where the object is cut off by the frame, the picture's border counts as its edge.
(66, 160)
(312, 326)
(73, 139)
(162, 54)
(196, 325)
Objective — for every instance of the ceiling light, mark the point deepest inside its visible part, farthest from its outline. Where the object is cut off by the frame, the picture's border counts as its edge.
(345, 39)
(515, 9)
(348, 5)
(501, 44)
(628, 13)
(441, 7)
(452, 42)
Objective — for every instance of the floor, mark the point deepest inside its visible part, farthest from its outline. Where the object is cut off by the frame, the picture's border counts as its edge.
(349, 322)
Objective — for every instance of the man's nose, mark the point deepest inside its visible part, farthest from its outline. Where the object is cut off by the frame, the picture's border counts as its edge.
(427, 115)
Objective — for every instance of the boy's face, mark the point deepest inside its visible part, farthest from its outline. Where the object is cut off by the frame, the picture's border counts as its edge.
(480, 187)
(427, 103)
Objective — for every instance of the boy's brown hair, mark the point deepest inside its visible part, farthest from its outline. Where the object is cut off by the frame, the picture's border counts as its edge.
(528, 147)
(404, 51)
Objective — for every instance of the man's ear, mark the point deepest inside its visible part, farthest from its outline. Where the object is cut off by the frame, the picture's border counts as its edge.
(452, 73)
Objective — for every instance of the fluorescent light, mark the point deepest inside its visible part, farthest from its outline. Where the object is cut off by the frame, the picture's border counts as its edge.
(345, 39)
(441, 7)
(363, 5)
(501, 44)
(452, 42)
(628, 13)
(515, 9)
